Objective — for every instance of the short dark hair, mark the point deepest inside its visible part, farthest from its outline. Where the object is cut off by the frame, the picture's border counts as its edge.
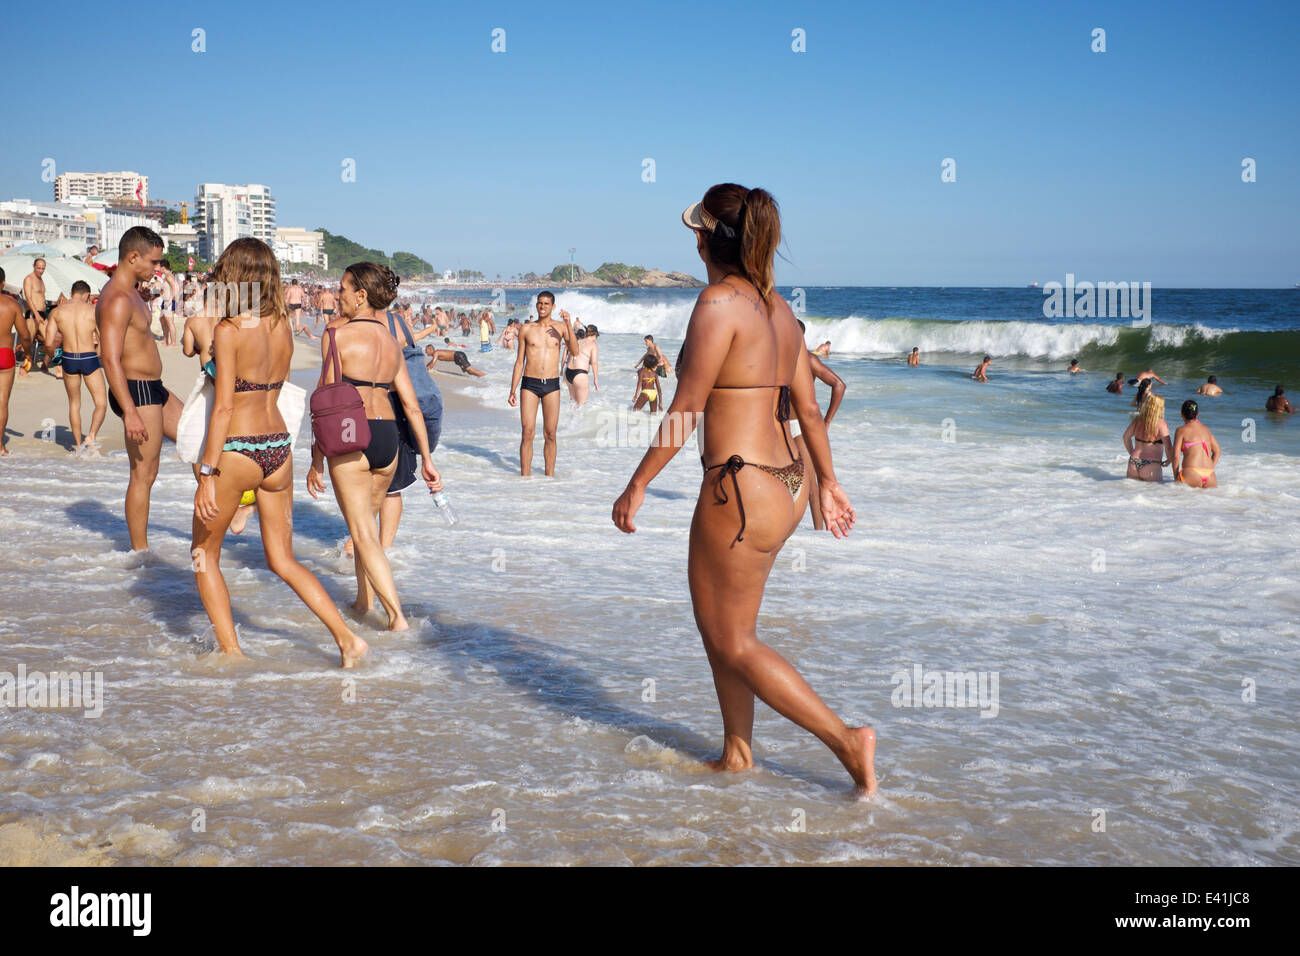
(1279, 390)
(81, 285)
(138, 239)
(988, 358)
(650, 338)
(2, 278)
(1074, 361)
(1212, 379)
(548, 294)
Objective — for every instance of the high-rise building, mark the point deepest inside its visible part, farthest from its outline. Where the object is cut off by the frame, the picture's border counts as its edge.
(225, 213)
(121, 185)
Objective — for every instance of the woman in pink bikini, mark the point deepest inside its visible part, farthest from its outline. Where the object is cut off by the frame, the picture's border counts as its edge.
(1196, 453)
(1147, 441)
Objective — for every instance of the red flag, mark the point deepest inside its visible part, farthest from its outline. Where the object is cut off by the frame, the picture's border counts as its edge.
(139, 192)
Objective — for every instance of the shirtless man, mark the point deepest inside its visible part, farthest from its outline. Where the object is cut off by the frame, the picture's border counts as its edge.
(134, 368)
(90, 255)
(74, 320)
(662, 368)
(539, 354)
(453, 355)
(1142, 376)
(1074, 368)
(1116, 385)
(913, 359)
(823, 350)
(1278, 402)
(981, 371)
(37, 312)
(293, 296)
(328, 303)
(11, 322)
(1210, 387)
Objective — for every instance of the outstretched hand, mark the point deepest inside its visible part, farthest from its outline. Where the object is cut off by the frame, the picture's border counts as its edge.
(836, 510)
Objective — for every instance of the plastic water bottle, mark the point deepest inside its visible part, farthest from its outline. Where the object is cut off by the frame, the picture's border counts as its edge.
(444, 508)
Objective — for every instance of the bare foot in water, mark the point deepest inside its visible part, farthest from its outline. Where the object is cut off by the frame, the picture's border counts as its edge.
(399, 623)
(860, 760)
(240, 519)
(353, 651)
(736, 756)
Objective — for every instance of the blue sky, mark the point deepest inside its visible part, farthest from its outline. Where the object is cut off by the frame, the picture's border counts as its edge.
(1117, 165)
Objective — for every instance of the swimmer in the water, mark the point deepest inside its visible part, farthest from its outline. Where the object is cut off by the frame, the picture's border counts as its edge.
(914, 357)
(982, 370)
(1074, 367)
(1278, 402)
(1116, 385)
(1211, 387)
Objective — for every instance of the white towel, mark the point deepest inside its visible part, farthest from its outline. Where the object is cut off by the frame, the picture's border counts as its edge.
(192, 429)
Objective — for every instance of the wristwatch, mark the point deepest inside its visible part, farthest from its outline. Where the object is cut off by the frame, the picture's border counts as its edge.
(207, 470)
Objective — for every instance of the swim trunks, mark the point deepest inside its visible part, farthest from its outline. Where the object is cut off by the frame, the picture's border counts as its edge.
(461, 360)
(541, 387)
(6, 359)
(81, 363)
(143, 392)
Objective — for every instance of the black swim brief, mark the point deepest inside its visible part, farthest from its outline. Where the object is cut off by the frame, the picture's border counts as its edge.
(541, 387)
(143, 392)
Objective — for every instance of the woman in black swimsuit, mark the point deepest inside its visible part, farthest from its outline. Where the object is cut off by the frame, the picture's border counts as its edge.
(248, 447)
(372, 362)
(744, 364)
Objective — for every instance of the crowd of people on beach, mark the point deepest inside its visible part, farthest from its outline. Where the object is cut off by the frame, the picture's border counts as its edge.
(377, 419)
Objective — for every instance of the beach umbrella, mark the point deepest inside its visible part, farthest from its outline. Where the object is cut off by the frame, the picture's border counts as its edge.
(68, 247)
(105, 260)
(37, 250)
(60, 273)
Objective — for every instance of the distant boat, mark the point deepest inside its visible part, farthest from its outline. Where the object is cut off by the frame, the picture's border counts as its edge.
(1032, 285)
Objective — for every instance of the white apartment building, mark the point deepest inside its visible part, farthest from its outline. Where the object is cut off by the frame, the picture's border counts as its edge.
(252, 202)
(106, 225)
(105, 185)
(222, 220)
(300, 245)
(22, 220)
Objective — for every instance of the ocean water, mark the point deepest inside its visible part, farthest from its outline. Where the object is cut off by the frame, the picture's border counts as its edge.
(552, 702)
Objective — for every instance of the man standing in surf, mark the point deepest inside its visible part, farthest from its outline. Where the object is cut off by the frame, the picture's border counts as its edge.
(133, 368)
(537, 369)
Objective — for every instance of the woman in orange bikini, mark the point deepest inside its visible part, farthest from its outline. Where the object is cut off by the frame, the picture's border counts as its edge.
(1196, 453)
(1147, 441)
(744, 364)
